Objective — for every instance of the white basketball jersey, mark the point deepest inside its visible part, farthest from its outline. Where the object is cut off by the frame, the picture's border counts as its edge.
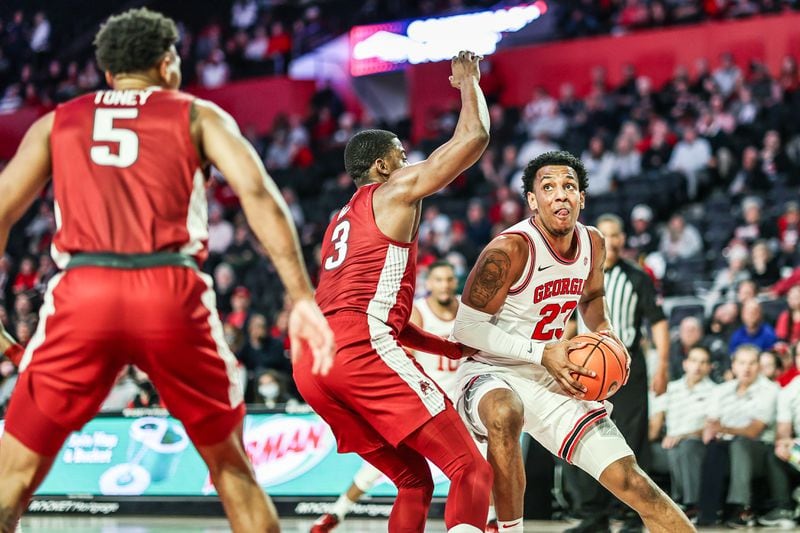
(438, 367)
(540, 303)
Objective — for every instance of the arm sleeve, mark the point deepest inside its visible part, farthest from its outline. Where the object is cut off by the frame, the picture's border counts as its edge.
(414, 337)
(475, 329)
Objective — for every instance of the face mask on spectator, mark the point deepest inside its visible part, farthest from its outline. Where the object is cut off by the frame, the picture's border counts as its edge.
(269, 391)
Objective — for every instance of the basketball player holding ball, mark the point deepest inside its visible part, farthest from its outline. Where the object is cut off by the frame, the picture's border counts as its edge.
(516, 302)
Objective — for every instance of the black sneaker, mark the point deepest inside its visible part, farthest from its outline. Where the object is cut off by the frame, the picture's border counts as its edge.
(782, 518)
(741, 519)
(596, 524)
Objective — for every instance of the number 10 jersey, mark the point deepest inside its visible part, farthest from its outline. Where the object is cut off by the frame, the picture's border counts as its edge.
(127, 176)
(540, 303)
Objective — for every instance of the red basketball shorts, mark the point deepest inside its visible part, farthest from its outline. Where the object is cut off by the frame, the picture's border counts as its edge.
(94, 321)
(375, 393)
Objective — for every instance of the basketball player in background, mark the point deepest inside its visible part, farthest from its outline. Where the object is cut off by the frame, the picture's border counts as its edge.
(377, 400)
(515, 306)
(127, 167)
(435, 314)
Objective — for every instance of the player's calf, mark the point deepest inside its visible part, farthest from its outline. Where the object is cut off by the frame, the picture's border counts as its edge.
(628, 482)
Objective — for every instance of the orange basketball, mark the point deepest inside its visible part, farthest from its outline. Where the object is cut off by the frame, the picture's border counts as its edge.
(607, 358)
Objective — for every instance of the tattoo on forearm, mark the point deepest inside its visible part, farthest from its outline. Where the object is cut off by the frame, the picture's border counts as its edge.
(491, 274)
(8, 520)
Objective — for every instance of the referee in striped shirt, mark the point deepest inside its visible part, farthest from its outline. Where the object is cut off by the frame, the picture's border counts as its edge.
(631, 298)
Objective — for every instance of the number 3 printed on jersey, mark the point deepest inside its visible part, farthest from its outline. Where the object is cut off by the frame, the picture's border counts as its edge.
(339, 239)
(104, 131)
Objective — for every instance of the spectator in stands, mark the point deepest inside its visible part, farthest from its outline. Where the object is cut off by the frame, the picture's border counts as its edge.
(746, 290)
(691, 157)
(627, 160)
(690, 334)
(224, 283)
(657, 148)
(535, 147)
(727, 76)
(729, 278)
(272, 388)
(240, 308)
(240, 254)
(220, 231)
(769, 365)
(787, 327)
(244, 14)
(479, 228)
(683, 409)
(214, 72)
(774, 162)
(680, 240)
(642, 238)
(764, 270)
(27, 276)
(792, 370)
(741, 414)
(261, 352)
(40, 34)
(749, 178)
(787, 430)
(754, 331)
(752, 226)
(600, 165)
(789, 232)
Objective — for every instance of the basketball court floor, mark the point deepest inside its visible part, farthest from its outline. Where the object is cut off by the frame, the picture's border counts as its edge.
(147, 524)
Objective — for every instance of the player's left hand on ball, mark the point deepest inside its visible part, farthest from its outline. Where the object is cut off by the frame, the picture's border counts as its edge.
(308, 324)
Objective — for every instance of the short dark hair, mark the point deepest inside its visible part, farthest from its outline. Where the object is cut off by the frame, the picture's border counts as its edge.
(560, 158)
(134, 41)
(441, 263)
(363, 149)
(610, 217)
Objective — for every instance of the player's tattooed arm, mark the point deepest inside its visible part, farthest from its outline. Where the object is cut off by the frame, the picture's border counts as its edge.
(491, 275)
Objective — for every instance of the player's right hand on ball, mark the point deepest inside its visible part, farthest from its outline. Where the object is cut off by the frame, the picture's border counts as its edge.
(308, 324)
(464, 66)
(555, 360)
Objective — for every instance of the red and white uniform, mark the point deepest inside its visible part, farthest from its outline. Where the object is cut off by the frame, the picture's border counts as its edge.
(127, 180)
(538, 306)
(441, 369)
(375, 391)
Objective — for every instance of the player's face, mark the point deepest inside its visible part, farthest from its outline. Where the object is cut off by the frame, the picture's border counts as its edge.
(442, 284)
(614, 237)
(556, 199)
(396, 158)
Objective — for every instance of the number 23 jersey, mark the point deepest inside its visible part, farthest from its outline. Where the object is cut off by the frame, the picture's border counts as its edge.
(126, 175)
(362, 269)
(540, 303)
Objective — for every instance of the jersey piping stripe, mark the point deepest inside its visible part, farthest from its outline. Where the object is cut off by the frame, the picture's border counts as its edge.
(209, 300)
(47, 310)
(550, 249)
(381, 339)
(197, 216)
(531, 262)
(572, 438)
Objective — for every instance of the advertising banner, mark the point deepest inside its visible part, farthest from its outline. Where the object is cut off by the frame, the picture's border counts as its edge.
(292, 455)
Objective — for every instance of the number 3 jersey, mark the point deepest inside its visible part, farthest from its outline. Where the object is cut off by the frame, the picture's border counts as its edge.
(540, 303)
(362, 269)
(126, 175)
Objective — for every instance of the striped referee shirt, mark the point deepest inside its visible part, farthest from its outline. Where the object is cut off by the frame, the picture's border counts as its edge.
(789, 405)
(631, 298)
(684, 407)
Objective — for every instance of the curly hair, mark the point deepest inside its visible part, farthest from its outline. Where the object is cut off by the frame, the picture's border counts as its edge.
(559, 158)
(363, 149)
(134, 41)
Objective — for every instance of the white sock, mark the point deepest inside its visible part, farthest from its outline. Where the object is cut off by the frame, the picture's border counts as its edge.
(492, 514)
(510, 526)
(464, 528)
(342, 507)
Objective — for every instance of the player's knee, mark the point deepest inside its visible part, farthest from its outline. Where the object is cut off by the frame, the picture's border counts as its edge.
(502, 413)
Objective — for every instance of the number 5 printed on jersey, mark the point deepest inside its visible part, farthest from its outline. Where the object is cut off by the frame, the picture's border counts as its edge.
(104, 131)
(339, 239)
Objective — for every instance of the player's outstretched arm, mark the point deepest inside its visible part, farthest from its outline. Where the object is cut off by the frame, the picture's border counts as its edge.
(266, 212)
(471, 136)
(499, 266)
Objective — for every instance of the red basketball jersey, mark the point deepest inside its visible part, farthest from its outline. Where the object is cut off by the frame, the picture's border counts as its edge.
(127, 176)
(363, 270)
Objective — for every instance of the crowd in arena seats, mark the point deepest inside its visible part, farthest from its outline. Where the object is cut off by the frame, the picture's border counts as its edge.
(705, 170)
